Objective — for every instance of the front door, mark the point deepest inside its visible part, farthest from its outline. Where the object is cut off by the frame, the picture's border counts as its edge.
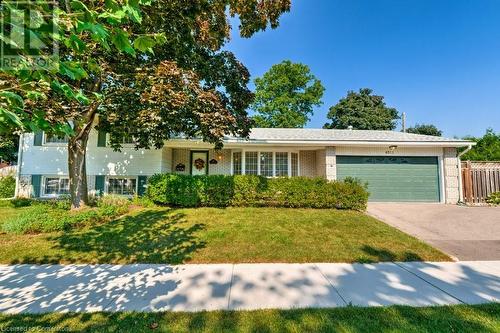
(199, 163)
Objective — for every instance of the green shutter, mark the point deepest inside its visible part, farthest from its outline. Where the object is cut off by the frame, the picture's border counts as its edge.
(36, 181)
(38, 138)
(141, 188)
(101, 139)
(99, 184)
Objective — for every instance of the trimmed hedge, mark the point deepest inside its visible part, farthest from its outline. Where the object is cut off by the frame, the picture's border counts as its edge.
(247, 190)
(7, 186)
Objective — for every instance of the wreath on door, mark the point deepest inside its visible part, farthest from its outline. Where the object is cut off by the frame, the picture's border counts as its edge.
(199, 164)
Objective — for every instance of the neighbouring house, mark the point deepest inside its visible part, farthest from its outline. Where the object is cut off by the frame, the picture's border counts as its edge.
(397, 166)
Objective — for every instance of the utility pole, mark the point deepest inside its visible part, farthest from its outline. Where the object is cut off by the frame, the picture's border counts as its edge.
(403, 122)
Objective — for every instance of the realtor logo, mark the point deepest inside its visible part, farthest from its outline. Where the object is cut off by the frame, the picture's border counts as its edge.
(28, 30)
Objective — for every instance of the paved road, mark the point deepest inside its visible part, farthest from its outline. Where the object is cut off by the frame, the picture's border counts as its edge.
(466, 233)
(84, 288)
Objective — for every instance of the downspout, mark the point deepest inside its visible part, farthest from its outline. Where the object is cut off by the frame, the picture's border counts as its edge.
(460, 185)
(19, 163)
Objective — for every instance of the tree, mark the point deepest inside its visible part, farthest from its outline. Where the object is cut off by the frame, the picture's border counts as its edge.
(285, 96)
(145, 68)
(9, 145)
(487, 148)
(425, 130)
(362, 111)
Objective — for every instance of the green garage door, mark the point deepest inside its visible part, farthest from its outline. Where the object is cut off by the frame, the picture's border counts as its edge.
(394, 178)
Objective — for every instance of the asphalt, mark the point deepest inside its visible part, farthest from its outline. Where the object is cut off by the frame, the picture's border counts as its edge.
(144, 287)
(465, 233)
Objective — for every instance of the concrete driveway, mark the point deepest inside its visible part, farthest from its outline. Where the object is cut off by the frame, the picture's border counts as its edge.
(466, 233)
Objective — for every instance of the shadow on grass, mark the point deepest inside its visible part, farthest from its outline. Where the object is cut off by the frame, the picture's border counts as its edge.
(480, 318)
(150, 236)
(380, 254)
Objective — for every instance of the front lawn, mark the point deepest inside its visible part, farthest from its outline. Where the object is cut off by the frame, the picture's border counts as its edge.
(212, 235)
(459, 318)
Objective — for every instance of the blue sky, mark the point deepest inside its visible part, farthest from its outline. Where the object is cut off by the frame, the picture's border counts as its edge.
(436, 60)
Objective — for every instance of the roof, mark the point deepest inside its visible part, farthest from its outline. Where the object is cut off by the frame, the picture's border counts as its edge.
(316, 135)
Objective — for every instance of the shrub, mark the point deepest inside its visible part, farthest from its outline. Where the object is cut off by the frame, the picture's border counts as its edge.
(248, 190)
(54, 215)
(21, 202)
(494, 199)
(7, 187)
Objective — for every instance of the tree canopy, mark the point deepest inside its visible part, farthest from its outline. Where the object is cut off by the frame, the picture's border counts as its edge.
(487, 147)
(286, 95)
(425, 130)
(363, 111)
(150, 69)
(9, 145)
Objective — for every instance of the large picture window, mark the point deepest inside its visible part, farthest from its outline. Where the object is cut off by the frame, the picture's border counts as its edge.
(56, 186)
(295, 164)
(251, 163)
(281, 164)
(237, 163)
(266, 163)
(122, 186)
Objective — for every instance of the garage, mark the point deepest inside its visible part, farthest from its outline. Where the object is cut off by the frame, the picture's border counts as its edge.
(394, 178)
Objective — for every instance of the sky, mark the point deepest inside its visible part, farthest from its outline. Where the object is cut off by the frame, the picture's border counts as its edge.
(436, 60)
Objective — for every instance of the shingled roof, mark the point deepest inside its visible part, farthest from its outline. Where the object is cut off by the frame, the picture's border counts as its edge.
(336, 135)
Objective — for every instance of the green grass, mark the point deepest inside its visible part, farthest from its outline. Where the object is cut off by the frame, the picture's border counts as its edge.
(461, 318)
(211, 235)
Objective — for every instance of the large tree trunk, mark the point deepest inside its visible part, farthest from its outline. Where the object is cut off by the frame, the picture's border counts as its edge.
(77, 171)
(77, 166)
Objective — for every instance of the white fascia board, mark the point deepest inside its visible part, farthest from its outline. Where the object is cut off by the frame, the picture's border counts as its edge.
(241, 143)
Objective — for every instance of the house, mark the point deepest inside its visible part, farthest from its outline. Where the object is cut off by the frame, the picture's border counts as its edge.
(397, 166)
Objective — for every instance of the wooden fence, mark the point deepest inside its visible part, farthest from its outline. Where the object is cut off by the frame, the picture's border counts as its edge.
(479, 180)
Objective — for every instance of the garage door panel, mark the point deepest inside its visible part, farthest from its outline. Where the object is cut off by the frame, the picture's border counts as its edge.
(394, 178)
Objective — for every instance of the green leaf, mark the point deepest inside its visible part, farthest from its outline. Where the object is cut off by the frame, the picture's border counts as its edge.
(73, 70)
(36, 19)
(78, 5)
(133, 12)
(80, 97)
(14, 99)
(121, 42)
(10, 118)
(75, 43)
(144, 43)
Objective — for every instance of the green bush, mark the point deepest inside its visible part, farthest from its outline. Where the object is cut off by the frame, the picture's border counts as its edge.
(21, 202)
(54, 215)
(494, 199)
(247, 190)
(7, 187)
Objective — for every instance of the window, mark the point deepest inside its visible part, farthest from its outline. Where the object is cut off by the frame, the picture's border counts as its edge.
(56, 139)
(56, 186)
(281, 164)
(122, 186)
(266, 164)
(251, 163)
(295, 164)
(237, 163)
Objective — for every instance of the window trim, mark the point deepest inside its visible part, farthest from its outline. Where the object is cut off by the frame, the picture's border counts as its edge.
(106, 185)
(56, 144)
(267, 150)
(44, 183)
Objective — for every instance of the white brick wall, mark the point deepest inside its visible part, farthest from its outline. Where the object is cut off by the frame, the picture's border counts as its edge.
(450, 164)
(307, 161)
(330, 163)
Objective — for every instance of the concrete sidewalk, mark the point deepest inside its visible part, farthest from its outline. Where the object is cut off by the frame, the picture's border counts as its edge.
(85, 288)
